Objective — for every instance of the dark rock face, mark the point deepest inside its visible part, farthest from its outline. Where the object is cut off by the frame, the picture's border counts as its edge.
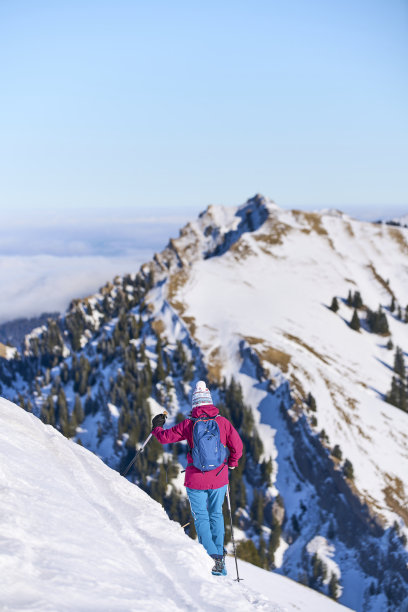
(252, 216)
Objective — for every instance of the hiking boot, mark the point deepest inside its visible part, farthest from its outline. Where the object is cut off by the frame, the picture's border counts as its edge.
(219, 568)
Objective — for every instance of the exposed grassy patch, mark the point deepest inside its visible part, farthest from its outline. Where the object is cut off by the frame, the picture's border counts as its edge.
(349, 229)
(276, 357)
(362, 433)
(299, 393)
(314, 224)
(106, 289)
(351, 403)
(395, 496)
(398, 235)
(381, 280)
(313, 220)
(177, 280)
(158, 326)
(150, 308)
(252, 340)
(274, 234)
(191, 324)
(270, 354)
(334, 390)
(307, 347)
(214, 366)
(241, 250)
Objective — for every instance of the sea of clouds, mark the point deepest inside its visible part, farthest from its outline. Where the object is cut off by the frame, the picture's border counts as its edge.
(46, 261)
(44, 264)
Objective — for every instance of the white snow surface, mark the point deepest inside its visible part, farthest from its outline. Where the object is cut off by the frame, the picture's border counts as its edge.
(325, 551)
(267, 297)
(76, 536)
(272, 289)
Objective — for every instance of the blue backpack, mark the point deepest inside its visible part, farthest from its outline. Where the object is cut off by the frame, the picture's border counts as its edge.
(208, 452)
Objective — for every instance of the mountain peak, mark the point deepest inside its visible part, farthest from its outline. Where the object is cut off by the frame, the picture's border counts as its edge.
(213, 233)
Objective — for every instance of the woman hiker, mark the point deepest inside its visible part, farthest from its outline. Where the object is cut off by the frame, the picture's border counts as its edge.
(214, 446)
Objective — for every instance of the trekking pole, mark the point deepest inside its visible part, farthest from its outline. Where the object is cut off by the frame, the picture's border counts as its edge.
(237, 579)
(141, 449)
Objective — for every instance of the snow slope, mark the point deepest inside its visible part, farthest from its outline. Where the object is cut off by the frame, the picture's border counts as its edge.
(75, 536)
(259, 311)
(272, 290)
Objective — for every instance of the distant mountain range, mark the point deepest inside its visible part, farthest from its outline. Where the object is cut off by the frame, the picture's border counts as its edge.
(299, 321)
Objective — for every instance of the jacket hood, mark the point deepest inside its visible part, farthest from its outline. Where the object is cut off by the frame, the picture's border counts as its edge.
(209, 410)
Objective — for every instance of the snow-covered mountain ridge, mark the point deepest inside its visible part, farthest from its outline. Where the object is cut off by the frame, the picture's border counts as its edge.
(262, 310)
(245, 293)
(269, 294)
(76, 536)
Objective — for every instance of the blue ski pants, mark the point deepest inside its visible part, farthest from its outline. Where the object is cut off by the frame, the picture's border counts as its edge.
(206, 507)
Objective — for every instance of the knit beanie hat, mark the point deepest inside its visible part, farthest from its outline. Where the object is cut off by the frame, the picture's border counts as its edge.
(201, 395)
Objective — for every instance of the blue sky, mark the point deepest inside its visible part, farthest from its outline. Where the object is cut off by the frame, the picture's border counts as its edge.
(160, 108)
(120, 120)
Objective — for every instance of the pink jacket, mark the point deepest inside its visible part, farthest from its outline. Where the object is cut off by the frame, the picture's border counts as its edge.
(194, 478)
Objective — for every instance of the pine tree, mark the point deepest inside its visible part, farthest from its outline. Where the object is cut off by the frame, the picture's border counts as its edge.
(324, 437)
(78, 410)
(334, 306)
(48, 411)
(247, 551)
(377, 321)
(266, 471)
(349, 299)
(334, 587)
(394, 395)
(159, 373)
(348, 469)
(392, 305)
(62, 409)
(317, 566)
(73, 424)
(257, 511)
(274, 540)
(331, 531)
(399, 362)
(311, 402)
(64, 373)
(355, 321)
(357, 300)
(382, 322)
(336, 452)
(295, 523)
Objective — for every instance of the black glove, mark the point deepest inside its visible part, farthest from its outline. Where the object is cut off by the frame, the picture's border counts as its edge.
(158, 421)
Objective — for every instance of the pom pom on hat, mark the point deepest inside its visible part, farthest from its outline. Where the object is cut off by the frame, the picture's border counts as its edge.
(201, 395)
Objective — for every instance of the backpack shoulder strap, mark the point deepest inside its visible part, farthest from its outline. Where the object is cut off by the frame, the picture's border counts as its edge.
(205, 417)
